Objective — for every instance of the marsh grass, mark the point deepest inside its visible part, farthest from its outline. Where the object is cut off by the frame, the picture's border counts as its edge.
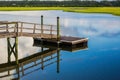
(108, 10)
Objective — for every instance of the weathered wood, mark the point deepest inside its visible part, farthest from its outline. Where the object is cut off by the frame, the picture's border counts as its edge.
(51, 31)
(17, 30)
(36, 24)
(6, 27)
(21, 28)
(42, 24)
(34, 28)
(8, 49)
(33, 31)
(3, 23)
(66, 43)
(58, 29)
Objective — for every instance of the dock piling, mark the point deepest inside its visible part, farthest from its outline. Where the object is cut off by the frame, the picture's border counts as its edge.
(41, 24)
(58, 29)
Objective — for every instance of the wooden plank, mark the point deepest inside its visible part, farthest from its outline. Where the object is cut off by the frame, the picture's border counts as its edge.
(7, 34)
(34, 28)
(21, 29)
(73, 40)
(37, 35)
(3, 23)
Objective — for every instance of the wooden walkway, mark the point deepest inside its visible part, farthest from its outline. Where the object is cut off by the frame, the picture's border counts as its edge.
(17, 29)
(45, 34)
(48, 33)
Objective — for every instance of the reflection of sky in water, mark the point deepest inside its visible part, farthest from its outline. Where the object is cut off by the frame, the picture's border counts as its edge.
(84, 24)
(25, 48)
(99, 62)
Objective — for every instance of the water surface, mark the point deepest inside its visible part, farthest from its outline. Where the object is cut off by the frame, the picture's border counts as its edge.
(100, 61)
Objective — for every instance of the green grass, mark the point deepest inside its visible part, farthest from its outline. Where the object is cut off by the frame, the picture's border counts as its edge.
(108, 10)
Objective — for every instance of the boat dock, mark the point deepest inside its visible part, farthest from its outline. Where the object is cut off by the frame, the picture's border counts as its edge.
(46, 33)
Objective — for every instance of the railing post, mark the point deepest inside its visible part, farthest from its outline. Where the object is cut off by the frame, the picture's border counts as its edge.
(58, 29)
(7, 28)
(41, 24)
(21, 28)
(34, 28)
(8, 49)
(51, 31)
(16, 29)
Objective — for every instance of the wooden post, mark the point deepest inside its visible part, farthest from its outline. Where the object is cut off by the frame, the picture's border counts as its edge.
(7, 28)
(58, 29)
(17, 29)
(21, 28)
(8, 72)
(41, 24)
(16, 49)
(51, 31)
(8, 49)
(34, 28)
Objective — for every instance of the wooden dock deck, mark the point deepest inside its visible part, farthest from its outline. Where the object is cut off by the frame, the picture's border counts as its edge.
(66, 43)
(46, 33)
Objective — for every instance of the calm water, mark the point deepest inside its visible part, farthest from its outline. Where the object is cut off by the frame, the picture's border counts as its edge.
(100, 61)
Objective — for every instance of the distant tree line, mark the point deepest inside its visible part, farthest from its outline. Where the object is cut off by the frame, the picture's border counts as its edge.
(73, 3)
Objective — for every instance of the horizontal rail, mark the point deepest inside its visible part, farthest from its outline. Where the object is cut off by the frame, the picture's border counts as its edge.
(4, 23)
(27, 29)
(37, 24)
(6, 28)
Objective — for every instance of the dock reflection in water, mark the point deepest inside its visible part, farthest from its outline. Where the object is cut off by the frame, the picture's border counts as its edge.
(46, 57)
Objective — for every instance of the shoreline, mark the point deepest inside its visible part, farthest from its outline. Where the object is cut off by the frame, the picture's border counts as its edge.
(106, 10)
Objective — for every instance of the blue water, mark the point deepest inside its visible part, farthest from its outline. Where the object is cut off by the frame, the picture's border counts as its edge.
(100, 61)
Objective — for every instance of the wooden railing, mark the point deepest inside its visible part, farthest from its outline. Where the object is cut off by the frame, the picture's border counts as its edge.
(29, 29)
